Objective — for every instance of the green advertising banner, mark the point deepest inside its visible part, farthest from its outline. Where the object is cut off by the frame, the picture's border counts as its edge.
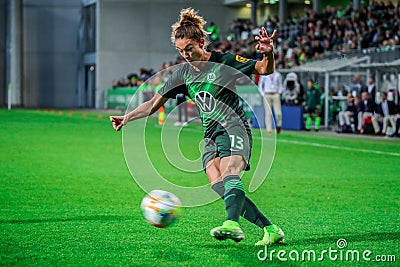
(119, 98)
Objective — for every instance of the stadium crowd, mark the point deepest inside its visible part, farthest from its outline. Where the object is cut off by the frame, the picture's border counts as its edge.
(313, 36)
(336, 30)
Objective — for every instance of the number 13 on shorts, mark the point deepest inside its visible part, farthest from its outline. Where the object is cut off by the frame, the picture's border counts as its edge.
(236, 142)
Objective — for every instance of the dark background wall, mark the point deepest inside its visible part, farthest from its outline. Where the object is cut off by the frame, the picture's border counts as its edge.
(50, 52)
(2, 51)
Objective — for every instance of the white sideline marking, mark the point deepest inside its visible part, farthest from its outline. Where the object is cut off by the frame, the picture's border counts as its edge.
(336, 147)
(324, 145)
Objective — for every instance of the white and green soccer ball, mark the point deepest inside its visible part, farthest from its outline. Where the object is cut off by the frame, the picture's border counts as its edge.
(161, 208)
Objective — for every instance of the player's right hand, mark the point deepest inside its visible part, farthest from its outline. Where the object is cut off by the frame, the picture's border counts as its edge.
(118, 122)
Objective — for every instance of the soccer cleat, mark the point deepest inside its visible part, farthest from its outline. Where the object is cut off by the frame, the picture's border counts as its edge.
(272, 234)
(228, 230)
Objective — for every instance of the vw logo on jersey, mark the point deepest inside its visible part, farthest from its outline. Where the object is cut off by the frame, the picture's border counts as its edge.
(205, 101)
(211, 77)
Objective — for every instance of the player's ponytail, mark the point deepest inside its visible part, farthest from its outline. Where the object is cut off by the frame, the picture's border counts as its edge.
(190, 25)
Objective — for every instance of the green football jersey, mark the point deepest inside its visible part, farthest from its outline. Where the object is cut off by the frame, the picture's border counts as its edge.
(312, 98)
(212, 88)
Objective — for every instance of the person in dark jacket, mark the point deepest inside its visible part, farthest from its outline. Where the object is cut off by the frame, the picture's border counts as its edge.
(386, 114)
(367, 108)
(347, 115)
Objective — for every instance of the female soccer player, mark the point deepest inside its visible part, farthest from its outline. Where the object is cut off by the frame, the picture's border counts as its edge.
(226, 131)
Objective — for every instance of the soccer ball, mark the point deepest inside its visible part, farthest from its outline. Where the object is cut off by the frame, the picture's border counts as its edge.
(161, 208)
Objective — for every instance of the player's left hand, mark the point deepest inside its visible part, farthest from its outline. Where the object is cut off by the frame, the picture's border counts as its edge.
(118, 122)
(265, 43)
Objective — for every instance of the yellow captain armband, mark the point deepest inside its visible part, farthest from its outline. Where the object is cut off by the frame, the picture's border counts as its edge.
(241, 59)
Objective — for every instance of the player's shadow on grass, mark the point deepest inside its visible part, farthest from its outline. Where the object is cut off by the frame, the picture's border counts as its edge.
(351, 238)
(68, 219)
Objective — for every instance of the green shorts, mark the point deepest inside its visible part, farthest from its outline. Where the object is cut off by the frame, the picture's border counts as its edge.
(224, 143)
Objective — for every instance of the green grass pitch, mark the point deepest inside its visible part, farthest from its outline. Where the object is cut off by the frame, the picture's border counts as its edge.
(67, 198)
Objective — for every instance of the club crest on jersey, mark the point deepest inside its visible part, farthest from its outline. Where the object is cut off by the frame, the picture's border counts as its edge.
(211, 77)
(241, 59)
(205, 101)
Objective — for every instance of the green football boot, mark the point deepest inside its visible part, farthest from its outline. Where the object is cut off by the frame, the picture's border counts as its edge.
(228, 230)
(272, 234)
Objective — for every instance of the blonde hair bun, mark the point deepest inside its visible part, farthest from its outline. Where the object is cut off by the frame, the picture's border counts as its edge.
(190, 25)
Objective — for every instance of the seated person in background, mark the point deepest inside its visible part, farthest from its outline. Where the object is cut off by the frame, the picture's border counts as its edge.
(397, 130)
(341, 95)
(386, 113)
(312, 105)
(367, 108)
(346, 115)
(341, 91)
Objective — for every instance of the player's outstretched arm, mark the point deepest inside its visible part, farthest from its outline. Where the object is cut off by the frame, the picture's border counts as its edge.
(265, 46)
(144, 110)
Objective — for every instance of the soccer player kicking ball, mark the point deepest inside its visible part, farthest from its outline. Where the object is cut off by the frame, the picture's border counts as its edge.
(227, 134)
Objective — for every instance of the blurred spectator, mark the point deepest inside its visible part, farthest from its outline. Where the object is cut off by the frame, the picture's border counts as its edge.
(341, 93)
(397, 130)
(312, 105)
(115, 84)
(132, 79)
(122, 82)
(357, 103)
(348, 115)
(371, 88)
(357, 87)
(386, 113)
(367, 108)
(271, 88)
(333, 110)
(182, 106)
(145, 74)
(214, 32)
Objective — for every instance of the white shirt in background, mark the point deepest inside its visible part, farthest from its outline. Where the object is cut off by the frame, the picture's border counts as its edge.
(270, 84)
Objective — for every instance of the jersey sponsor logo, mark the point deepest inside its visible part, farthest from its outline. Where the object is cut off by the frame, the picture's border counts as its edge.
(241, 59)
(211, 77)
(205, 101)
